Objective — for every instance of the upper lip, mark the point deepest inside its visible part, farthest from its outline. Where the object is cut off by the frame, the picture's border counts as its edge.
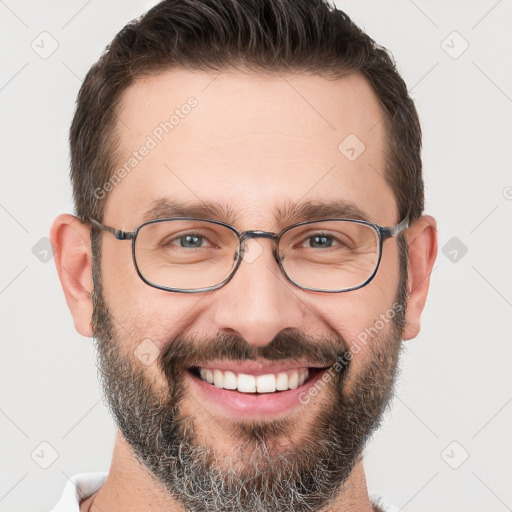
(257, 368)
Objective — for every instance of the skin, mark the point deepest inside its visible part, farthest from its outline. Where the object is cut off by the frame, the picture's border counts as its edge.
(252, 143)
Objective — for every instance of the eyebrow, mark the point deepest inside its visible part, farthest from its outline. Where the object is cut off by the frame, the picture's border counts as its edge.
(291, 213)
(166, 207)
(295, 212)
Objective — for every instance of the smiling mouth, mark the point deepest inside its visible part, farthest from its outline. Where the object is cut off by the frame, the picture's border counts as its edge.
(238, 382)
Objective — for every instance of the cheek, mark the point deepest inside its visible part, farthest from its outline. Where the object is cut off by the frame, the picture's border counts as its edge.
(142, 312)
(362, 317)
(136, 306)
(118, 271)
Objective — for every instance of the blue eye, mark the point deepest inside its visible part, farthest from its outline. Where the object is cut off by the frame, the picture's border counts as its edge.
(187, 241)
(320, 241)
(191, 240)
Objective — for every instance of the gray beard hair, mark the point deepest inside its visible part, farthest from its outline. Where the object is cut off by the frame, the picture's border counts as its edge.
(307, 477)
(304, 479)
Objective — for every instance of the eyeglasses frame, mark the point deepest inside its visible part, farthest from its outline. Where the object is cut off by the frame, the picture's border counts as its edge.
(383, 234)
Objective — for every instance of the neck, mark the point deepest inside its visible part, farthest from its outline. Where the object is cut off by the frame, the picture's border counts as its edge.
(130, 488)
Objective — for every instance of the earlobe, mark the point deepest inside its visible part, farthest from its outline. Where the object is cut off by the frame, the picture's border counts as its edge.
(422, 241)
(70, 239)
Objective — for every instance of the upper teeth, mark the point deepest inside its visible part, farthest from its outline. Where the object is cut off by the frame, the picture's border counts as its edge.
(255, 383)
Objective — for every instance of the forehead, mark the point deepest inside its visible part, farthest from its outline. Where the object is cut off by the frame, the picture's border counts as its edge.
(250, 143)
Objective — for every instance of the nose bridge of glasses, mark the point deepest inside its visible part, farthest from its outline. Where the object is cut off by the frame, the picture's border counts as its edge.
(247, 235)
(257, 234)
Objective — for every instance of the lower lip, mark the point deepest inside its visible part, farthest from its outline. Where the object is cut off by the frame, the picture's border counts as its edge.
(253, 405)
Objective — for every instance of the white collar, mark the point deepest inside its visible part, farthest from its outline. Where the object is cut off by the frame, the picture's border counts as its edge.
(77, 488)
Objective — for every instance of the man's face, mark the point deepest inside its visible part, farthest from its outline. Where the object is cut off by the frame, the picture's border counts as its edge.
(254, 145)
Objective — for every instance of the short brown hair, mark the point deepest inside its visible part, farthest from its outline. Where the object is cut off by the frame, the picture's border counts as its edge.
(304, 36)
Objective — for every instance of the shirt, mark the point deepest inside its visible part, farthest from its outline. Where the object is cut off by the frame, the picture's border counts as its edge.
(82, 485)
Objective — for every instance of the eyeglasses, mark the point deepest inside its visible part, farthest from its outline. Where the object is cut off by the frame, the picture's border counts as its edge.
(190, 255)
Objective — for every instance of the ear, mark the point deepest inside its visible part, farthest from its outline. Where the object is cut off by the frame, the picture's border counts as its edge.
(71, 243)
(422, 241)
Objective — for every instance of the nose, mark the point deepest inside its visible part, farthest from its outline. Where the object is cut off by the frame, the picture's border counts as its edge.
(259, 301)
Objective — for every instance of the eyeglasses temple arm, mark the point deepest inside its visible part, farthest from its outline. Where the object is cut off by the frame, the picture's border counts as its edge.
(394, 230)
(118, 233)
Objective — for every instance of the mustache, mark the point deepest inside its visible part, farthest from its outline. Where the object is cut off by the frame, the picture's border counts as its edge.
(290, 345)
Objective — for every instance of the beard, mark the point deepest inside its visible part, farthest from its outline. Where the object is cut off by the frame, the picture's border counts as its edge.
(307, 475)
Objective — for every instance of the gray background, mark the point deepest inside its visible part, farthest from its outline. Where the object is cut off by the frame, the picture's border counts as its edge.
(446, 443)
